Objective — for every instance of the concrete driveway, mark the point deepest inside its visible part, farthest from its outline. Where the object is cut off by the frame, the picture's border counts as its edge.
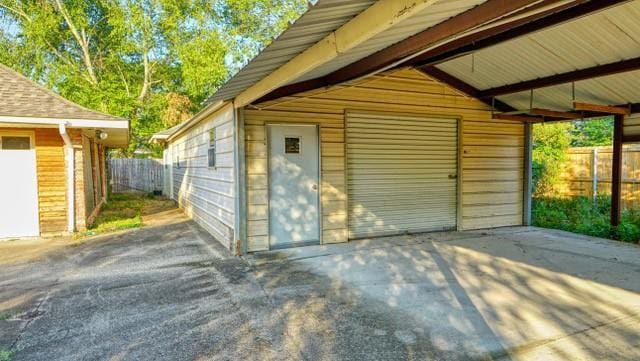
(168, 292)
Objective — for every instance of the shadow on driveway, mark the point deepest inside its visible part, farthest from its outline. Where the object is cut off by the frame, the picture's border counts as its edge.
(170, 292)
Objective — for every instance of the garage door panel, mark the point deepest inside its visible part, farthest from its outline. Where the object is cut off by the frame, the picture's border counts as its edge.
(18, 194)
(399, 173)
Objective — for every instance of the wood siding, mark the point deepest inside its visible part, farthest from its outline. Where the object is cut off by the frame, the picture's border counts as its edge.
(491, 162)
(52, 181)
(207, 194)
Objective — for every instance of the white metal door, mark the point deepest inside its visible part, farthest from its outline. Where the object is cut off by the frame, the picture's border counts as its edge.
(293, 186)
(401, 173)
(18, 194)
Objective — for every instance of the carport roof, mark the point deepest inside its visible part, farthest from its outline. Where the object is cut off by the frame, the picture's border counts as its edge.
(22, 98)
(583, 47)
(534, 40)
(320, 20)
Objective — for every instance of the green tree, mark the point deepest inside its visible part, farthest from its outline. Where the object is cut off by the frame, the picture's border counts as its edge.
(593, 132)
(151, 61)
(550, 143)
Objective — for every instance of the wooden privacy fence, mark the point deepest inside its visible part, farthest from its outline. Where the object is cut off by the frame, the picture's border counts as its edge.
(128, 174)
(588, 173)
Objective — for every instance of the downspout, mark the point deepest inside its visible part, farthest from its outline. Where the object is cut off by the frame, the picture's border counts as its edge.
(69, 159)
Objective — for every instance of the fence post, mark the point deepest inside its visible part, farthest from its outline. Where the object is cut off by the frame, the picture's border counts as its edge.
(594, 175)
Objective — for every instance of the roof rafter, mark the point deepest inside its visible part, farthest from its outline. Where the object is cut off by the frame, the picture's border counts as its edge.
(511, 30)
(557, 79)
(486, 12)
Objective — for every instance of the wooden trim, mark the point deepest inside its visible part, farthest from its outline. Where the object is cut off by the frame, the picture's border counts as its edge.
(555, 114)
(20, 133)
(603, 109)
(556, 79)
(616, 171)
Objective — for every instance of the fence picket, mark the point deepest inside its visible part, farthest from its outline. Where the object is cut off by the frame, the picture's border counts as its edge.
(588, 173)
(128, 174)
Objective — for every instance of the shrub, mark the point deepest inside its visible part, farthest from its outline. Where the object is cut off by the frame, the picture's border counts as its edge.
(580, 215)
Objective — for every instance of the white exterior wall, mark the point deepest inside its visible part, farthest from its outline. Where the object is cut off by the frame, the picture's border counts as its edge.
(207, 195)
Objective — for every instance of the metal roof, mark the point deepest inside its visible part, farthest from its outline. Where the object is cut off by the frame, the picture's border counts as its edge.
(319, 21)
(425, 19)
(605, 37)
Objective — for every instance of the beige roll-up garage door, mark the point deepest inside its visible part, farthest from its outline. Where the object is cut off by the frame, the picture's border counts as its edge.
(401, 173)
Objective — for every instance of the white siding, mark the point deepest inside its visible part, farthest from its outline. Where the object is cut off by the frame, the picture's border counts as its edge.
(206, 194)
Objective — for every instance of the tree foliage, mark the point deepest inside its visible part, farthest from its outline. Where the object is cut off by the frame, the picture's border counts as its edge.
(593, 132)
(151, 61)
(550, 143)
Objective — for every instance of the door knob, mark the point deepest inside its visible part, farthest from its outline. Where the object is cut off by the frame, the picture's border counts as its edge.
(453, 176)
(314, 187)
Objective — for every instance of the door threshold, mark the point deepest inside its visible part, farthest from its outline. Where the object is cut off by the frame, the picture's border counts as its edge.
(294, 245)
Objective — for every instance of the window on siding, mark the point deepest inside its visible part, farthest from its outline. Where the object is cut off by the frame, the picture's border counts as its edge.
(15, 142)
(212, 147)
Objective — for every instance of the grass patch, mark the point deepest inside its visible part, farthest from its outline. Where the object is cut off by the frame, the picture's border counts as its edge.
(125, 211)
(580, 215)
(5, 355)
(4, 316)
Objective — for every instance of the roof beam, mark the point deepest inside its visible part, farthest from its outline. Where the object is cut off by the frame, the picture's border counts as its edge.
(631, 138)
(556, 79)
(375, 19)
(464, 87)
(555, 114)
(511, 30)
(519, 118)
(488, 11)
(602, 109)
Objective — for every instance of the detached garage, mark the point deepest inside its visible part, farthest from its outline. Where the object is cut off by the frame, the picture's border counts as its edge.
(370, 118)
(52, 159)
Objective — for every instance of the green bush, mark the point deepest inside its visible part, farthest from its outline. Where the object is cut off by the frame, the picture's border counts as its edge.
(580, 215)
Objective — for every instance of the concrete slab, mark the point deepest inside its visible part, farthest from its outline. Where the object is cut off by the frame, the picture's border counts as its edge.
(170, 292)
(512, 293)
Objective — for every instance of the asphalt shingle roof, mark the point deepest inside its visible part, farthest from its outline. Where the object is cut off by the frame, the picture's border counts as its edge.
(21, 97)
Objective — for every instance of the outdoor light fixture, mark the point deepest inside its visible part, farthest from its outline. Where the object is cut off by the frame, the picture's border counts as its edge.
(102, 135)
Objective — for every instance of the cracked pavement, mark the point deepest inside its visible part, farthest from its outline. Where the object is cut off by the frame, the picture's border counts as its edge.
(170, 292)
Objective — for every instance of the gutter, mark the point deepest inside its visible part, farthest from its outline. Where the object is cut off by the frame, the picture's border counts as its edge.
(70, 162)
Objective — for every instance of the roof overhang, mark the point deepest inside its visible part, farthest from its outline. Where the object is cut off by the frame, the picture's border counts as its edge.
(167, 135)
(117, 130)
(545, 55)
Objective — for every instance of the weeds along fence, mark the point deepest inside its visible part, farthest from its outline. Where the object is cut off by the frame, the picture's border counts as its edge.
(588, 173)
(127, 174)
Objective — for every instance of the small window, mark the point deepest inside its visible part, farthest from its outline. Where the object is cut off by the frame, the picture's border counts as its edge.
(15, 142)
(292, 145)
(212, 147)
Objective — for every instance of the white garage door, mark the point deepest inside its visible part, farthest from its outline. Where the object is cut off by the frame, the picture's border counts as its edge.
(401, 173)
(18, 188)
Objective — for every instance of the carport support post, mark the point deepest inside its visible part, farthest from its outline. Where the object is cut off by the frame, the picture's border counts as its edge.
(528, 171)
(616, 171)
